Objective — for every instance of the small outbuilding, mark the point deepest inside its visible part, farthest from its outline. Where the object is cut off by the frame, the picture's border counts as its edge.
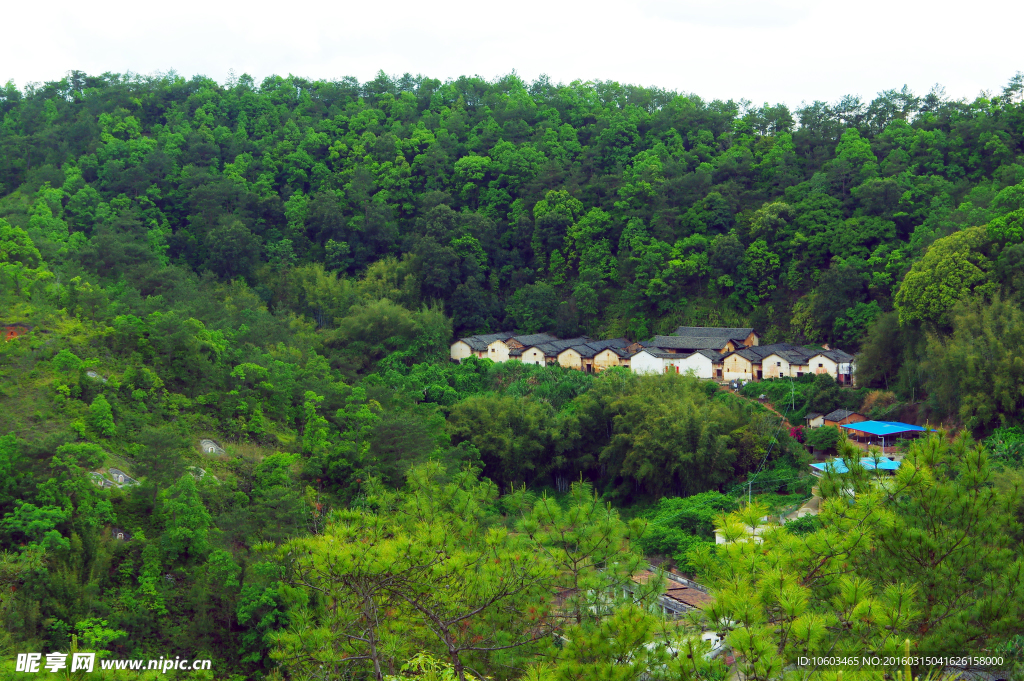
(842, 417)
(883, 433)
(868, 462)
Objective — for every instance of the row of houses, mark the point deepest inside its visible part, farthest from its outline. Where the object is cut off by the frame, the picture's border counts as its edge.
(723, 354)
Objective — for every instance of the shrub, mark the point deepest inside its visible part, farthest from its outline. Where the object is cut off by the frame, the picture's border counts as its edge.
(825, 438)
(101, 417)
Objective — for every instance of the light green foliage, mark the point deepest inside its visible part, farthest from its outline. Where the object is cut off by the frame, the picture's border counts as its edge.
(593, 552)
(953, 269)
(101, 417)
(824, 438)
(66, 361)
(447, 580)
(761, 265)
(96, 633)
(678, 525)
(30, 525)
(20, 262)
(903, 559)
(187, 521)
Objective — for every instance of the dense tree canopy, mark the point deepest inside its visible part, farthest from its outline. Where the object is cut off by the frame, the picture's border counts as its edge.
(233, 303)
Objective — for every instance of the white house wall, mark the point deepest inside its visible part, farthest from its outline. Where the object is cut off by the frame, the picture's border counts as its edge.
(697, 363)
(642, 363)
(827, 366)
(735, 367)
(461, 350)
(533, 356)
(498, 351)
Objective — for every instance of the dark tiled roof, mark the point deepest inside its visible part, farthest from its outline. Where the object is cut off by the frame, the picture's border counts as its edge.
(747, 353)
(654, 352)
(535, 338)
(726, 333)
(840, 414)
(591, 348)
(554, 347)
(811, 415)
(480, 342)
(611, 343)
(687, 342)
(835, 355)
(585, 350)
(792, 353)
(713, 355)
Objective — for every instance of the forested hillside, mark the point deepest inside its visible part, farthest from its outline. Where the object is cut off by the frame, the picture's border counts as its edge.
(280, 268)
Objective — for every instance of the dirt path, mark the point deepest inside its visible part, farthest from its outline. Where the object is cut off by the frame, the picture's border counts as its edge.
(766, 405)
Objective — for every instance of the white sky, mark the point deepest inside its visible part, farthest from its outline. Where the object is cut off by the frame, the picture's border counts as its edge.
(762, 50)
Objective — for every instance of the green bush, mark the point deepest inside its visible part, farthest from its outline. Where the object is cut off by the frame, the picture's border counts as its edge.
(825, 438)
(101, 417)
(803, 525)
(66, 361)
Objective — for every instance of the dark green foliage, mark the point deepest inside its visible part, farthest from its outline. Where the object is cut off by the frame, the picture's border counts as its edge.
(678, 525)
(824, 438)
(798, 397)
(803, 525)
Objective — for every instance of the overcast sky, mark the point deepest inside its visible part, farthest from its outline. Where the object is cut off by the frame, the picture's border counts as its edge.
(762, 50)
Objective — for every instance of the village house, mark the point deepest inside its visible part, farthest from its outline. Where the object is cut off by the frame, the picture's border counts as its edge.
(785, 364)
(652, 361)
(842, 417)
(785, 360)
(745, 336)
(722, 354)
(476, 346)
(702, 363)
(836, 363)
(500, 350)
(544, 351)
(814, 419)
(678, 596)
(686, 345)
(495, 346)
(593, 356)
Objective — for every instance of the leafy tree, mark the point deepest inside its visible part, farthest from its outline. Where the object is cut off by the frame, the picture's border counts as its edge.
(824, 438)
(511, 434)
(101, 417)
(188, 521)
(975, 374)
(161, 456)
(954, 268)
(532, 307)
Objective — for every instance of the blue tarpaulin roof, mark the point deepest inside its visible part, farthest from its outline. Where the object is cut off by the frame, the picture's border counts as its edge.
(884, 427)
(839, 466)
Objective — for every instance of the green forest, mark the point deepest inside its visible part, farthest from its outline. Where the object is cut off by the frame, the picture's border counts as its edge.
(277, 269)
